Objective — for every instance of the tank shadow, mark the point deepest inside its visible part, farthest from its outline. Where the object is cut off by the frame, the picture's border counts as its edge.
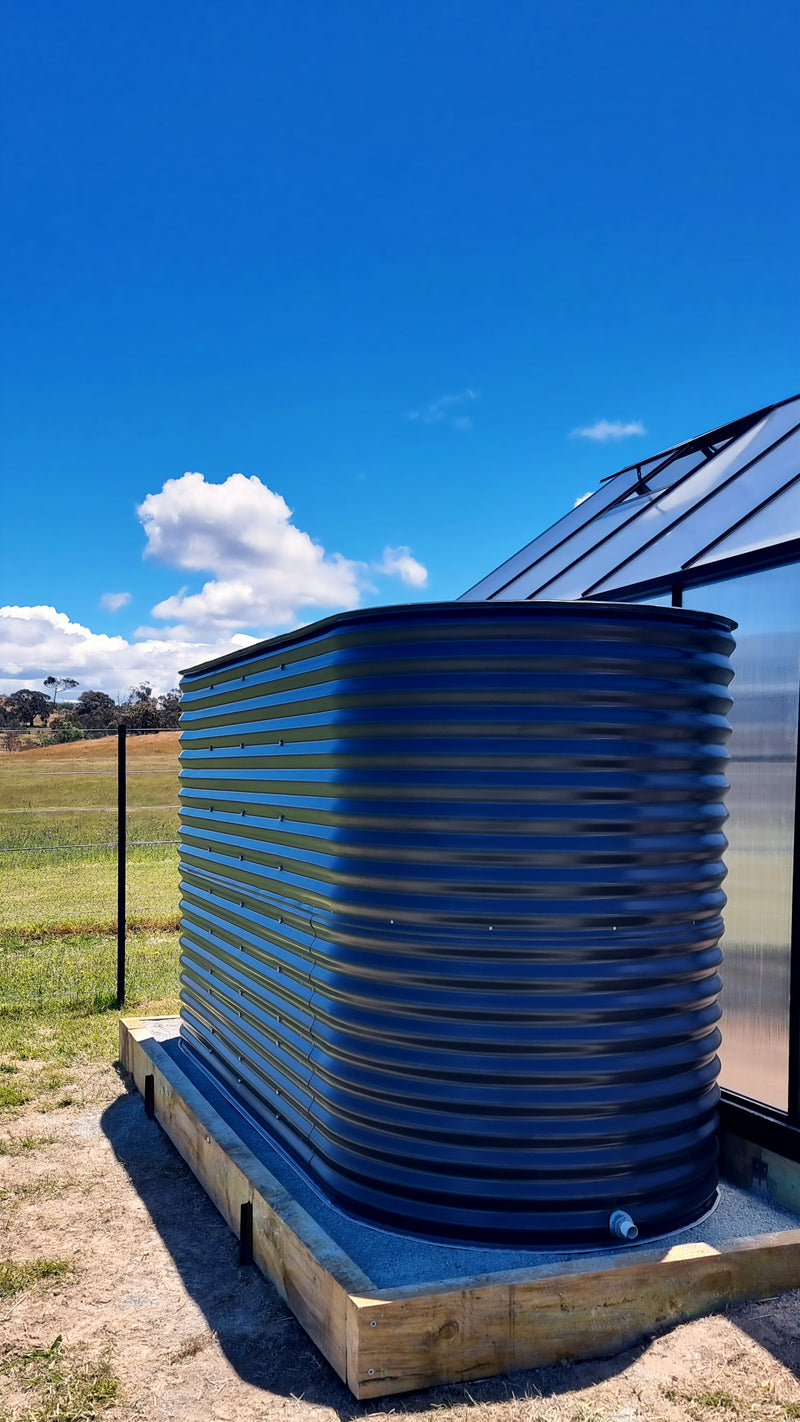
(259, 1335)
(775, 1325)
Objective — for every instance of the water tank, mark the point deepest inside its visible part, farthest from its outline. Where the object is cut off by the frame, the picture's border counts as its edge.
(451, 895)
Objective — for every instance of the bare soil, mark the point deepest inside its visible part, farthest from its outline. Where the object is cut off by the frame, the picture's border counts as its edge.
(157, 1289)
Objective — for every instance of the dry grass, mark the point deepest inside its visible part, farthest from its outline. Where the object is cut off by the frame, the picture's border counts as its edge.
(195, 1336)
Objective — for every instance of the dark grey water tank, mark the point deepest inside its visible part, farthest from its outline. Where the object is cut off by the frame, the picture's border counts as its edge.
(451, 882)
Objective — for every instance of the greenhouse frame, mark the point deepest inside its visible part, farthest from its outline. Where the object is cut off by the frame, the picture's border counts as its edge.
(713, 524)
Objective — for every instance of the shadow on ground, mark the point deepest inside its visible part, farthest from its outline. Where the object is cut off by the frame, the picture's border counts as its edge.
(260, 1337)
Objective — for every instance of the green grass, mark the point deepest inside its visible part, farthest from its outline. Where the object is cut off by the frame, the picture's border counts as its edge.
(58, 1007)
(78, 971)
(63, 1386)
(79, 889)
(717, 1398)
(34, 831)
(58, 827)
(13, 1095)
(15, 1277)
(72, 1035)
(23, 1144)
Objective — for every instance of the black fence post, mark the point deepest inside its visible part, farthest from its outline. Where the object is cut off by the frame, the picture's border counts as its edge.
(122, 808)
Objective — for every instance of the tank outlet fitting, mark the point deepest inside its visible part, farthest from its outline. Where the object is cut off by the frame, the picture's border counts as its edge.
(621, 1225)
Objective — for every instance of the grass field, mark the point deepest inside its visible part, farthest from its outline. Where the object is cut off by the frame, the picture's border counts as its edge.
(58, 816)
(58, 870)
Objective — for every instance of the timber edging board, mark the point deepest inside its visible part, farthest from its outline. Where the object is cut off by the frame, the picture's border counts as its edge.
(384, 1341)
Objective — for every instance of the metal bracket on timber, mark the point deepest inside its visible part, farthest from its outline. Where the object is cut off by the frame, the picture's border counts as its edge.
(384, 1341)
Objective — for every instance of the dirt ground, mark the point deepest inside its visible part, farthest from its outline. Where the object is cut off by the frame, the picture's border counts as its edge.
(156, 1290)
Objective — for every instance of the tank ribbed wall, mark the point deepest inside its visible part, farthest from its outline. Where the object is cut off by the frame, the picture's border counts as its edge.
(451, 895)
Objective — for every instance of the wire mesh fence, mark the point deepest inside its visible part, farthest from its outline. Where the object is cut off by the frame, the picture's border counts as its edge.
(60, 836)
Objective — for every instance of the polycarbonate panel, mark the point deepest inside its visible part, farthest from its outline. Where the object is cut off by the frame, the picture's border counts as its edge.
(596, 572)
(777, 523)
(677, 546)
(502, 582)
(582, 542)
(761, 804)
(657, 514)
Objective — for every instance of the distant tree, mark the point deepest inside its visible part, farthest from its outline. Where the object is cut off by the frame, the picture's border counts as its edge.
(140, 710)
(94, 710)
(169, 709)
(63, 728)
(26, 705)
(144, 711)
(59, 683)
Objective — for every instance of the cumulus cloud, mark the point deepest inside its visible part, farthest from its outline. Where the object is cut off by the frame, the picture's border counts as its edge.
(266, 569)
(399, 562)
(265, 572)
(112, 602)
(583, 498)
(36, 642)
(605, 430)
(448, 409)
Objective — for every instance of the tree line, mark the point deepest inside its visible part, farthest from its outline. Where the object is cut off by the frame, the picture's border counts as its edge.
(93, 711)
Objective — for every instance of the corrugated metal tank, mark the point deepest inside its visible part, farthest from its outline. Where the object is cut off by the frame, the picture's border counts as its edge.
(451, 896)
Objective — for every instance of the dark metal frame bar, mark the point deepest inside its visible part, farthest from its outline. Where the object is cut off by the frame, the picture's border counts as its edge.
(122, 850)
(723, 434)
(756, 1123)
(794, 963)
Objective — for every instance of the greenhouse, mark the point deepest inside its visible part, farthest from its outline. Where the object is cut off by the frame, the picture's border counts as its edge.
(714, 524)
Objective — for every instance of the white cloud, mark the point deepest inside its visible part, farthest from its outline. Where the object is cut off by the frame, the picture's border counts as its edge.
(604, 430)
(265, 572)
(36, 642)
(112, 602)
(399, 561)
(583, 498)
(448, 409)
(266, 568)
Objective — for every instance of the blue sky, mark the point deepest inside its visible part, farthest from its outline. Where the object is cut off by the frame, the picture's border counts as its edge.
(381, 258)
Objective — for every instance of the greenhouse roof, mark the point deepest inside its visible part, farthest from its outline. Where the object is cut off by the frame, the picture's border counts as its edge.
(692, 513)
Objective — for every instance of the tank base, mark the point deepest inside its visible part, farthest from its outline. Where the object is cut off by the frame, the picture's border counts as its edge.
(384, 1338)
